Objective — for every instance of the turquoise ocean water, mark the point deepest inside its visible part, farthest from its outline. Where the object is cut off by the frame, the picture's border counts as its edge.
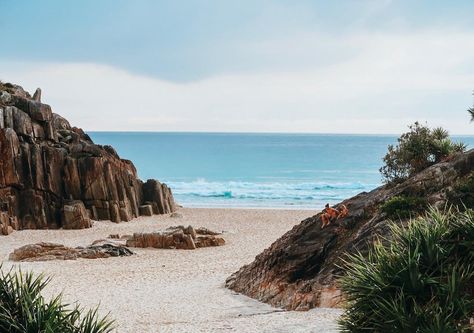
(256, 170)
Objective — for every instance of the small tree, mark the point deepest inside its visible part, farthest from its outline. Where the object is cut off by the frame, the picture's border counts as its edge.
(471, 112)
(417, 149)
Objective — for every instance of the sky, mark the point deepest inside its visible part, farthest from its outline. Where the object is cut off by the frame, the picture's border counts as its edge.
(359, 66)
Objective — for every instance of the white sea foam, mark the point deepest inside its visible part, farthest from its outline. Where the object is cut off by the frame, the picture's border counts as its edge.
(272, 194)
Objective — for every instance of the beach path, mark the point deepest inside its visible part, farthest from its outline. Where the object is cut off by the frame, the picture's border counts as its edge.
(175, 290)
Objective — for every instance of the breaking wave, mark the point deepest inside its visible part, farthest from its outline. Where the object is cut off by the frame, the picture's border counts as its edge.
(275, 194)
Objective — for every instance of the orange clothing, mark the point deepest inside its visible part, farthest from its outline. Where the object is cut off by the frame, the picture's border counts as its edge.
(331, 212)
(343, 211)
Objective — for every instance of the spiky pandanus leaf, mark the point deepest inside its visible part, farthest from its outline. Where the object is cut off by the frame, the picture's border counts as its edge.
(471, 112)
(24, 310)
(418, 281)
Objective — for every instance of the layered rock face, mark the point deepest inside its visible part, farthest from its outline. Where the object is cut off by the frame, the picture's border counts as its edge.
(52, 175)
(51, 251)
(180, 237)
(299, 271)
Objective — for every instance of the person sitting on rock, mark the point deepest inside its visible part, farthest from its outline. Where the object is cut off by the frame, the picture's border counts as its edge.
(329, 214)
(343, 211)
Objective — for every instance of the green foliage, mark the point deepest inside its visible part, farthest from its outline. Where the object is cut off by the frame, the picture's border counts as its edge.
(417, 149)
(471, 112)
(462, 194)
(23, 309)
(421, 281)
(400, 207)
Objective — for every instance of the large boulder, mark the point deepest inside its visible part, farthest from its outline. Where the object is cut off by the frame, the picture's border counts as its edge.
(51, 251)
(154, 191)
(74, 216)
(180, 237)
(48, 167)
(299, 271)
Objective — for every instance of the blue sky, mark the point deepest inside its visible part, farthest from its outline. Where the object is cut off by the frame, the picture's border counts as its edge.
(290, 66)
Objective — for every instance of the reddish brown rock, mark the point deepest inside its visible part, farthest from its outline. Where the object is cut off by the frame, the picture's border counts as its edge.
(51, 251)
(43, 252)
(7, 224)
(74, 216)
(162, 240)
(154, 191)
(299, 271)
(179, 237)
(205, 231)
(146, 210)
(46, 164)
(206, 241)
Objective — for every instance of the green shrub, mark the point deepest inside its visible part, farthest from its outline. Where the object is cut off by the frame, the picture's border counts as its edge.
(416, 150)
(421, 281)
(23, 309)
(401, 207)
(462, 194)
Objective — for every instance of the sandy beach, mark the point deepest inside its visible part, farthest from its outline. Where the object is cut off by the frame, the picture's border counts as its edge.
(175, 290)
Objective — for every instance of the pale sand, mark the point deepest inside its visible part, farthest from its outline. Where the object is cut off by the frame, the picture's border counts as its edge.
(175, 290)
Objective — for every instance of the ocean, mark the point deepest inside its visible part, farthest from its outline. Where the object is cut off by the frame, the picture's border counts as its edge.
(292, 171)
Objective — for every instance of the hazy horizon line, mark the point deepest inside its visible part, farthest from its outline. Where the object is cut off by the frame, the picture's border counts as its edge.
(264, 133)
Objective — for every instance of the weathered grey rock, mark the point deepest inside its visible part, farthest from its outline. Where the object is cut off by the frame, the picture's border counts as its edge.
(5, 97)
(299, 271)
(8, 117)
(46, 164)
(104, 250)
(61, 123)
(37, 95)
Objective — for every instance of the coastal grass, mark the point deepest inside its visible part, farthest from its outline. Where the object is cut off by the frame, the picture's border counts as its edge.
(421, 280)
(23, 308)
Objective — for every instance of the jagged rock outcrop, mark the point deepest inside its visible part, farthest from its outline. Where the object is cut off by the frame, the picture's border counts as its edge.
(180, 237)
(52, 251)
(52, 175)
(299, 271)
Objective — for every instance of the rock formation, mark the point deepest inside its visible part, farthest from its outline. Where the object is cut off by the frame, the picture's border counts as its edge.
(51, 251)
(52, 175)
(180, 237)
(299, 271)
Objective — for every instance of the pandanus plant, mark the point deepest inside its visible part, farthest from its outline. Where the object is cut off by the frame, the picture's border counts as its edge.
(23, 309)
(420, 280)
